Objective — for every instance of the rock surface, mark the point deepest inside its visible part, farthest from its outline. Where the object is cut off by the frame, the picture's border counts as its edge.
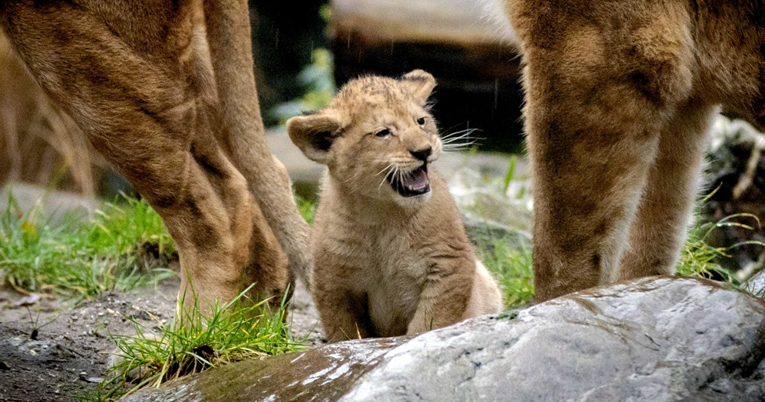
(655, 339)
(484, 200)
(756, 284)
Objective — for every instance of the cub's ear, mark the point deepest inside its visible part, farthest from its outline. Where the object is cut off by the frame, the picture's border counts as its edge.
(421, 83)
(314, 134)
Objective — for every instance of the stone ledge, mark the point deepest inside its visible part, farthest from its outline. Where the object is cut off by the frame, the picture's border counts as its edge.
(652, 339)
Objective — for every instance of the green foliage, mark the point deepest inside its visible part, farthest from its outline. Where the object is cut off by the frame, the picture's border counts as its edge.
(325, 12)
(235, 331)
(510, 173)
(117, 249)
(307, 209)
(698, 257)
(126, 227)
(512, 268)
(319, 82)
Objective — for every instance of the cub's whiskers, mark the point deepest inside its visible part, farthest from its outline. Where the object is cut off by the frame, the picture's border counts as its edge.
(387, 170)
(459, 140)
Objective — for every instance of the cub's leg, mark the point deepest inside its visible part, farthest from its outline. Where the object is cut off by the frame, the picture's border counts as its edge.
(228, 29)
(134, 76)
(660, 227)
(485, 297)
(344, 314)
(444, 299)
(598, 88)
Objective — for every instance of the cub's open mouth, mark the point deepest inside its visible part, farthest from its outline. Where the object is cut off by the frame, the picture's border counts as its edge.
(411, 184)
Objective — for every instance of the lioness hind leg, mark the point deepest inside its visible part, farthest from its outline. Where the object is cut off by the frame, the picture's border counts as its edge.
(661, 223)
(598, 88)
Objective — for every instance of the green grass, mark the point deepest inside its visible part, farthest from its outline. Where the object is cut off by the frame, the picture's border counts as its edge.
(195, 342)
(512, 265)
(119, 248)
(698, 257)
(307, 209)
(512, 268)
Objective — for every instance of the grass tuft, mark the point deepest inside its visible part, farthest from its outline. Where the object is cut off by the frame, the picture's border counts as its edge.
(120, 248)
(698, 258)
(232, 332)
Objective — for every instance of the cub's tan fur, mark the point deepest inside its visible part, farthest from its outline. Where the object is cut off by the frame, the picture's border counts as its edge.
(165, 91)
(619, 96)
(386, 264)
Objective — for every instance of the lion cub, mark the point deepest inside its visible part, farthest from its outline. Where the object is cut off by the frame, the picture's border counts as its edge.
(391, 254)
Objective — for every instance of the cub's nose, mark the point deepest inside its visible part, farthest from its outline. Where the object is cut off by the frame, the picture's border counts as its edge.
(422, 153)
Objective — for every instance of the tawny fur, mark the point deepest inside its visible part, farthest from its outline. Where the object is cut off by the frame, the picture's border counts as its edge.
(619, 97)
(386, 265)
(165, 91)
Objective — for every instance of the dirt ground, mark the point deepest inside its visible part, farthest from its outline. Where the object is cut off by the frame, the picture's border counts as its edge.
(66, 356)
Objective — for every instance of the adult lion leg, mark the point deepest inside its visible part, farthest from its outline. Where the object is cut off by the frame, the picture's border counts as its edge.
(228, 29)
(210, 221)
(135, 77)
(660, 227)
(265, 264)
(588, 176)
(599, 88)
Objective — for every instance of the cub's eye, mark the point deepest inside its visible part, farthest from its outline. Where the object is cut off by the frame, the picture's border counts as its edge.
(383, 133)
(421, 121)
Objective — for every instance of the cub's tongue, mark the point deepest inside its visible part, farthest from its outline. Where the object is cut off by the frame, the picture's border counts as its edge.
(417, 180)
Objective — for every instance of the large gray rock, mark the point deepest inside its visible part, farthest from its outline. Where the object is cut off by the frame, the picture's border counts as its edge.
(756, 284)
(656, 339)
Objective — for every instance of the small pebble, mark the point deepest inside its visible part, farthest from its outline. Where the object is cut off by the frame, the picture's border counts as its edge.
(28, 300)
